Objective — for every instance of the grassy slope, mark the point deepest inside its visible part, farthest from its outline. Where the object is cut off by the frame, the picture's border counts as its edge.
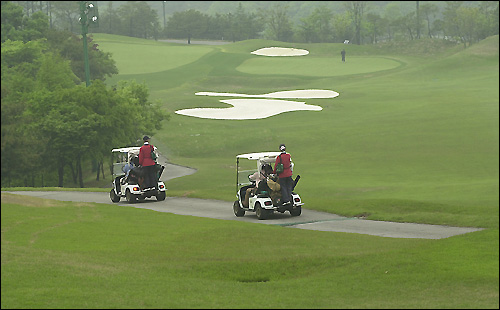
(417, 142)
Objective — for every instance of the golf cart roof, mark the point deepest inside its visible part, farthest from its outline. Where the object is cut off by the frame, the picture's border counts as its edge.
(127, 149)
(255, 156)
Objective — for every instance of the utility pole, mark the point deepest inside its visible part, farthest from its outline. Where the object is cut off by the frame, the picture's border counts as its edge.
(88, 17)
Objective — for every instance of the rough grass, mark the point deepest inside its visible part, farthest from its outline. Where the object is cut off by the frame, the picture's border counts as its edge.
(84, 255)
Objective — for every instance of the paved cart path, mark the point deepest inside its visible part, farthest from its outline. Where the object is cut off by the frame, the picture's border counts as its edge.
(223, 210)
(310, 219)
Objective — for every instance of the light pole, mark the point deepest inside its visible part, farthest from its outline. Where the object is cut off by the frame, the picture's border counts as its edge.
(164, 22)
(88, 17)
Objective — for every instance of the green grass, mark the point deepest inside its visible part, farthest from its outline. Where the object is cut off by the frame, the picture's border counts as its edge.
(416, 141)
(161, 57)
(314, 66)
(85, 255)
(52, 189)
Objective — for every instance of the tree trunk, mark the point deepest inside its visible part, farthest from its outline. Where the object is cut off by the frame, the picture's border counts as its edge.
(102, 169)
(73, 173)
(79, 169)
(60, 171)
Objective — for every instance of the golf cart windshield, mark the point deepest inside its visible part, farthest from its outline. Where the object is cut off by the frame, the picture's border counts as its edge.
(122, 156)
(246, 167)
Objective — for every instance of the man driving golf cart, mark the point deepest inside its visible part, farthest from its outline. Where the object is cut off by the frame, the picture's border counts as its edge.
(264, 197)
(130, 185)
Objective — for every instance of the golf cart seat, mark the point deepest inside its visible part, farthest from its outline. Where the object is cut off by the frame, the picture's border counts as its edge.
(263, 194)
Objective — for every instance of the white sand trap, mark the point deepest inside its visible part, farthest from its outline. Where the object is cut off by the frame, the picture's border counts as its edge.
(280, 51)
(249, 109)
(287, 94)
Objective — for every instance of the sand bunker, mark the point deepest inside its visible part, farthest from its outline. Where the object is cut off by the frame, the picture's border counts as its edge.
(259, 108)
(280, 51)
(249, 109)
(287, 94)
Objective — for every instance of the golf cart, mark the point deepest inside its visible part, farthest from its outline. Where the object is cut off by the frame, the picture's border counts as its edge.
(262, 203)
(130, 187)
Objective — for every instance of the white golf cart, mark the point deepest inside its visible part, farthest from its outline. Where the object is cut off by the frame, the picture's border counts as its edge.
(262, 203)
(130, 187)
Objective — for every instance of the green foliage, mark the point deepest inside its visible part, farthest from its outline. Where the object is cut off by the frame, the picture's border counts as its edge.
(70, 46)
(44, 106)
(187, 24)
(55, 73)
(12, 21)
(139, 20)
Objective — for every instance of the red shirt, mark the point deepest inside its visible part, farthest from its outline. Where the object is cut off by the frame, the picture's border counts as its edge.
(285, 160)
(145, 155)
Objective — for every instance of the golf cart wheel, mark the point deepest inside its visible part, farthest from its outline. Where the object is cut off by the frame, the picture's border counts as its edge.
(238, 211)
(262, 214)
(130, 197)
(114, 197)
(296, 211)
(161, 196)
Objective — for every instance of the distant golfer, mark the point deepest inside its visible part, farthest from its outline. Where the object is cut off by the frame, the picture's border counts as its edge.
(343, 55)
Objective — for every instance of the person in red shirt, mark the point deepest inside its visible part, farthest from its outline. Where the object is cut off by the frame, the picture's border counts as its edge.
(285, 177)
(148, 164)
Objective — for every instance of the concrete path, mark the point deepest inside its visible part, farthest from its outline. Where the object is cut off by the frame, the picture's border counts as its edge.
(223, 210)
(310, 219)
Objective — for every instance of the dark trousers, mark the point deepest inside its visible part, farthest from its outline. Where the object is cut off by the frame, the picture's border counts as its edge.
(286, 185)
(150, 179)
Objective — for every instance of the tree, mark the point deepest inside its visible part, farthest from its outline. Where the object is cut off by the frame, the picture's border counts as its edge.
(450, 26)
(187, 24)
(278, 23)
(375, 25)
(82, 122)
(67, 14)
(46, 106)
(137, 20)
(342, 28)
(407, 24)
(392, 14)
(70, 47)
(110, 20)
(429, 12)
(356, 10)
(307, 31)
(317, 26)
(489, 24)
(246, 25)
(15, 26)
(468, 24)
(12, 21)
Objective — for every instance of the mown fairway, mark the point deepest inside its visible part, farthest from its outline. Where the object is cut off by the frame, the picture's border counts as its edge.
(413, 137)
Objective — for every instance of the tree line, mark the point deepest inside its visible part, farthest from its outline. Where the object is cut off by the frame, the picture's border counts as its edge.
(52, 126)
(360, 22)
